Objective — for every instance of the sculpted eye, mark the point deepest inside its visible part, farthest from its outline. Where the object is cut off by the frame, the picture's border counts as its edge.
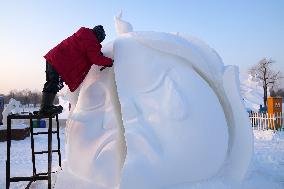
(157, 83)
(92, 97)
(174, 103)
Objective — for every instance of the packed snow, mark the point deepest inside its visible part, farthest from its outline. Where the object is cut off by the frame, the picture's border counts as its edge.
(168, 113)
(266, 169)
(252, 93)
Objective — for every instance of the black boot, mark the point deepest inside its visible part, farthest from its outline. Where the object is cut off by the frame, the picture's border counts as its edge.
(47, 108)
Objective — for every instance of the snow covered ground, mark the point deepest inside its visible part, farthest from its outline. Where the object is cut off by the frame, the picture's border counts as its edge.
(266, 170)
(21, 162)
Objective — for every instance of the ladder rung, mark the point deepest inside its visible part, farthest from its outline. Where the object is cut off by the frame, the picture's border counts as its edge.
(40, 174)
(45, 152)
(18, 179)
(43, 133)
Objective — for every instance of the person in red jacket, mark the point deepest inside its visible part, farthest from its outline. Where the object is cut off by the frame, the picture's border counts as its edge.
(70, 62)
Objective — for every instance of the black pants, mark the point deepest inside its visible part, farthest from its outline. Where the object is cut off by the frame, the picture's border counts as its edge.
(54, 82)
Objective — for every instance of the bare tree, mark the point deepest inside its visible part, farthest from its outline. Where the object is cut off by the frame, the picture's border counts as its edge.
(263, 72)
(35, 97)
(25, 96)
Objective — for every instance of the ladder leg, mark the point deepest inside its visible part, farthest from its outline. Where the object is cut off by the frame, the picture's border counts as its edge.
(49, 151)
(8, 161)
(58, 141)
(32, 146)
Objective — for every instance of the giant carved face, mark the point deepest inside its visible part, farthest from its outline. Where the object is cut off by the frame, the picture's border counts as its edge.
(173, 121)
(161, 117)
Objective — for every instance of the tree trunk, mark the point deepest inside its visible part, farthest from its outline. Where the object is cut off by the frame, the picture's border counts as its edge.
(265, 96)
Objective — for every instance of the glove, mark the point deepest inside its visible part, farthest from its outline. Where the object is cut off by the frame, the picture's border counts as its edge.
(104, 67)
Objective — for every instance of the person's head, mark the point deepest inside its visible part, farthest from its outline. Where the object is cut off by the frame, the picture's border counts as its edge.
(100, 32)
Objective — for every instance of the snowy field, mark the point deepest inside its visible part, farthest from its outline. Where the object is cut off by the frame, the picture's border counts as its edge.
(266, 170)
(21, 162)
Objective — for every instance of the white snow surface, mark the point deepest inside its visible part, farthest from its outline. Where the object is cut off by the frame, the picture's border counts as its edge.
(65, 104)
(265, 171)
(21, 159)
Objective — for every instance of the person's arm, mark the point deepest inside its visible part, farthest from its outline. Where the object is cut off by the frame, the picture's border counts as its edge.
(97, 57)
(92, 47)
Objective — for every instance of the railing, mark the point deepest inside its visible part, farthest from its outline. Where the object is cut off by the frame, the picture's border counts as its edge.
(265, 121)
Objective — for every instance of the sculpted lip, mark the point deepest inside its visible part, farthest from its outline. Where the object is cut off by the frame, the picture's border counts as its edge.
(104, 141)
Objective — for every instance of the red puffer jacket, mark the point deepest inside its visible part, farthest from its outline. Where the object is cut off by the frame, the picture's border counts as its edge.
(74, 56)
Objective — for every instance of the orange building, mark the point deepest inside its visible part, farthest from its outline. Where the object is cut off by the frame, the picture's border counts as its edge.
(274, 107)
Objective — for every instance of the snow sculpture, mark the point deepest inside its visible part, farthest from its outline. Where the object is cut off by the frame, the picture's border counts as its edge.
(65, 104)
(168, 113)
(167, 119)
(95, 143)
(252, 93)
(122, 26)
(14, 108)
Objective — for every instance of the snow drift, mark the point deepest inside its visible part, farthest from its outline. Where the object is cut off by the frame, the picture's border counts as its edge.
(168, 113)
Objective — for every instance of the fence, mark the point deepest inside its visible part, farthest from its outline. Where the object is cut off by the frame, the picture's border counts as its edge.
(265, 121)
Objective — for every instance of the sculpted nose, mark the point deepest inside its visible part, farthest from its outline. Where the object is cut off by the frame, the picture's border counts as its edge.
(130, 111)
(174, 103)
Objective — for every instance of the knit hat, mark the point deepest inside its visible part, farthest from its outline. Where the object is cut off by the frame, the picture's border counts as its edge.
(100, 32)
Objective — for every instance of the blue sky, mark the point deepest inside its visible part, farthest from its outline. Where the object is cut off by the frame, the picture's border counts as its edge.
(242, 31)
